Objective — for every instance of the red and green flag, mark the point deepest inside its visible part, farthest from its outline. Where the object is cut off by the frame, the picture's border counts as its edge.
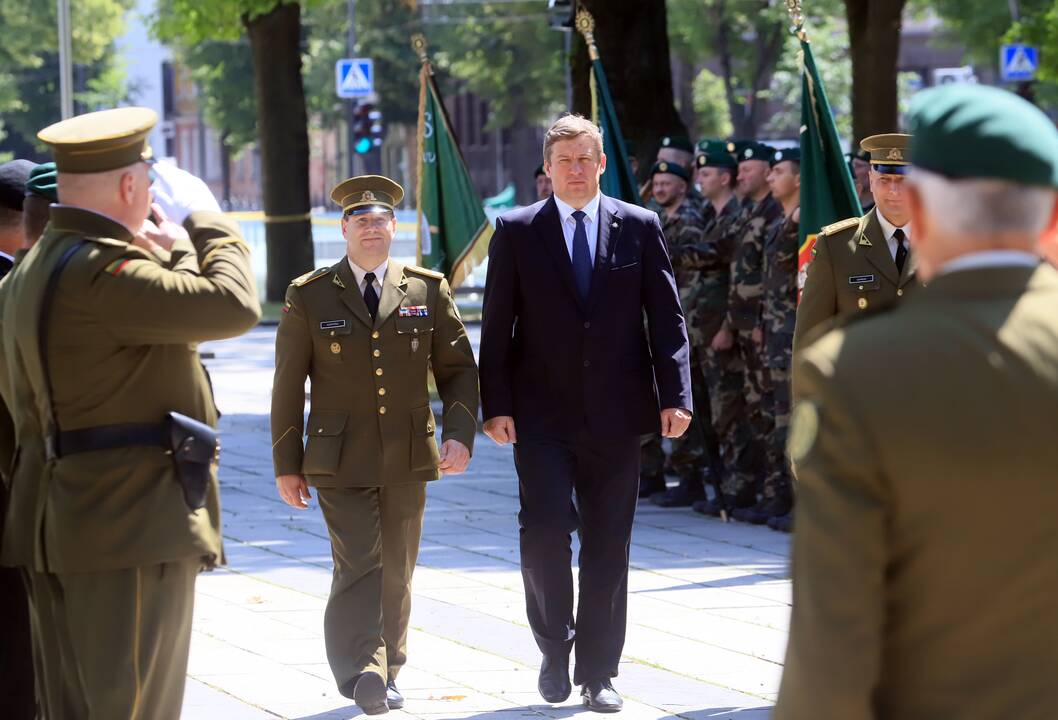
(827, 190)
(453, 232)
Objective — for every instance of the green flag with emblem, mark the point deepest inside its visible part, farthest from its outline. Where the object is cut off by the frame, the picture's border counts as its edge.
(453, 232)
(827, 191)
(618, 181)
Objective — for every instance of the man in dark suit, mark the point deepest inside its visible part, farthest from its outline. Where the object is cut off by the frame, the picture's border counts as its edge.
(567, 360)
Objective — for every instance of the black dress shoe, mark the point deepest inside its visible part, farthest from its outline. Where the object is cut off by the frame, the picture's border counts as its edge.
(683, 495)
(599, 696)
(394, 700)
(762, 511)
(554, 685)
(369, 693)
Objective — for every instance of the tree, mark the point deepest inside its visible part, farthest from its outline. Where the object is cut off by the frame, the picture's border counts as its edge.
(633, 42)
(746, 40)
(29, 88)
(274, 31)
(710, 105)
(874, 44)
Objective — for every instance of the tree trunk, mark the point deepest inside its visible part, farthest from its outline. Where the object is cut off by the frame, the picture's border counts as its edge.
(633, 43)
(225, 170)
(275, 41)
(874, 43)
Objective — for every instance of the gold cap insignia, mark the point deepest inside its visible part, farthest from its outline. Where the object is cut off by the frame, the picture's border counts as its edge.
(731, 147)
(368, 196)
(895, 154)
(663, 167)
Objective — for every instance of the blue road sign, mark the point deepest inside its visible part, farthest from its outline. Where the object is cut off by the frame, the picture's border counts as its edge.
(354, 77)
(1018, 62)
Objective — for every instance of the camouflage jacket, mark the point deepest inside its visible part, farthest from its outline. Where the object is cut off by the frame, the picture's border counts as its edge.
(684, 229)
(779, 307)
(707, 266)
(747, 277)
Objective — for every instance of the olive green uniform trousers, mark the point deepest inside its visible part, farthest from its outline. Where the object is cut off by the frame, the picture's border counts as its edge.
(375, 534)
(113, 645)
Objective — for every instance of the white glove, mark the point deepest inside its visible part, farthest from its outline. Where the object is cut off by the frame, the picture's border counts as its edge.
(180, 193)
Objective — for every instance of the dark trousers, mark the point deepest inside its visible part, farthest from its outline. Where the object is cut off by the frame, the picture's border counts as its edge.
(589, 486)
(16, 649)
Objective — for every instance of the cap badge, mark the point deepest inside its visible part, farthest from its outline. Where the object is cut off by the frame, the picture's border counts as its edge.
(663, 167)
(895, 154)
(665, 142)
(748, 153)
(778, 156)
(368, 196)
(731, 147)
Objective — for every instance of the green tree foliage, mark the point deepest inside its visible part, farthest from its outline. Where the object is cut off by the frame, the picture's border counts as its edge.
(710, 106)
(29, 88)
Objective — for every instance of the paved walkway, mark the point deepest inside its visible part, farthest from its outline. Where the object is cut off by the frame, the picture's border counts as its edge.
(708, 608)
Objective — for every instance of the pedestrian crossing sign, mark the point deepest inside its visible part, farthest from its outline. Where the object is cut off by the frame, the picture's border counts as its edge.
(1018, 62)
(354, 77)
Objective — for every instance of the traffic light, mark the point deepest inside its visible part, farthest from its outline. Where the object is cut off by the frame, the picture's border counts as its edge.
(362, 129)
(375, 128)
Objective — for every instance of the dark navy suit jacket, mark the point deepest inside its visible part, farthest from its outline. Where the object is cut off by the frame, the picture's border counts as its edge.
(557, 364)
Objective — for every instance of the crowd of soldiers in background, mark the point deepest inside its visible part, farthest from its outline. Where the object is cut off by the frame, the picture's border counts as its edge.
(730, 213)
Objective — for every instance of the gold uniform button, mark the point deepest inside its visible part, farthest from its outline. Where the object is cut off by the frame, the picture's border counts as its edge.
(336, 348)
(320, 431)
(332, 331)
(382, 410)
(861, 287)
(374, 335)
(376, 353)
(862, 303)
(382, 391)
(900, 293)
(378, 372)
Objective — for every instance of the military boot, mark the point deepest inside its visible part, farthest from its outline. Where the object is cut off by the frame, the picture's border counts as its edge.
(763, 510)
(650, 484)
(731, 503)
(690, 490)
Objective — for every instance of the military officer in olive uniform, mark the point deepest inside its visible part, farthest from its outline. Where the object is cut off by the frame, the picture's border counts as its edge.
(918, 592)
(368, 332)
(100, 325)
(863, 263)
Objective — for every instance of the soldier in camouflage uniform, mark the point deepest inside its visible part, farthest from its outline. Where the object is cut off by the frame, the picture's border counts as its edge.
(674, 150)
(694, 454)
(778, 314)
(743, 316)
(720, 362)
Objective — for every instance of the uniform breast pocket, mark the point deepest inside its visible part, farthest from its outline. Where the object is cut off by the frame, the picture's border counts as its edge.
(863, 289)
(416, 333)
(323, 446)
(332, 339)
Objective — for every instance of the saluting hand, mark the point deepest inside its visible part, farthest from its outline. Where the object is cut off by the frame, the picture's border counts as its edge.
(152, 237)
(454, 457)
(294, 490)
(674, 422)
(501, 429)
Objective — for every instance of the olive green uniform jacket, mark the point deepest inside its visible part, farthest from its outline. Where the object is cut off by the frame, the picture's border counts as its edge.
(370, 423)
(122, 348)
(924, 572)
(852, 270)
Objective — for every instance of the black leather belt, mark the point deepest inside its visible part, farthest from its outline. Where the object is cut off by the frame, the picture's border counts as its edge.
(109, 437)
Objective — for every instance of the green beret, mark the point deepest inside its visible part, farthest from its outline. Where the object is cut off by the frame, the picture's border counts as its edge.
(670, 169)
(735, 147)
(793, 154)
(44, 181)
(709, 145)
(720, 159)
(974, 131)
(755, 151)
(677, 143)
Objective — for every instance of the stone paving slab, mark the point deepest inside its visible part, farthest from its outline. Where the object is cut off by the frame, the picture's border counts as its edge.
(708, 604)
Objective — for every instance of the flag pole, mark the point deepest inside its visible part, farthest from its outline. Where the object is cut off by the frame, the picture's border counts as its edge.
(418, 44)
(585, 24)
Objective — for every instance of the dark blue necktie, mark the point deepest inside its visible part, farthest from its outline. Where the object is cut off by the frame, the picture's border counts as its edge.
(370, 296)
(581, 256)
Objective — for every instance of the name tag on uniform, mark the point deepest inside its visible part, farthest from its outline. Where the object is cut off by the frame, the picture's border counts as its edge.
(332, 324)
(860, 279)
(413, 311)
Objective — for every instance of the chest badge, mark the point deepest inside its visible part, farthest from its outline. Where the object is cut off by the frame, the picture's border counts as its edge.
(415, 344)
(858, 279)
(336, 348)
(332, 324)
(413, 311)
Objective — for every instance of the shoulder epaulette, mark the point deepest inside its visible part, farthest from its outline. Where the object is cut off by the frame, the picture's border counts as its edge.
(423, 271)
(839, 226)
(309, 277)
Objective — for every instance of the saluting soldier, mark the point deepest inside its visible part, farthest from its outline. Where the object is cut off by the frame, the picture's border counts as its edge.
(866, 262)
(111, 519)
(368, 332)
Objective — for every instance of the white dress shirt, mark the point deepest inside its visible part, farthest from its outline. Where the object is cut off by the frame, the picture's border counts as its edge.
(359, 273)
(988, 259)
(888, 229)
(591, 225)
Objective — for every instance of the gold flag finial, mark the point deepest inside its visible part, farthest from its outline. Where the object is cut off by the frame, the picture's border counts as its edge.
(418, 44)
(586, 26)
(797, 16)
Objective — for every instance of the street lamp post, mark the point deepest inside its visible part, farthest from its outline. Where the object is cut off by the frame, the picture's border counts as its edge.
(65, 61)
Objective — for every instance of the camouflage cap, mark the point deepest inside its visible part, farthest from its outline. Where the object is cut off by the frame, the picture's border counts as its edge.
(367, 194)
(974, 131)
(101, 141)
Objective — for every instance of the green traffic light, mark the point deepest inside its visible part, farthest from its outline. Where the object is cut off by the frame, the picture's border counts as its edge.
(363, 145)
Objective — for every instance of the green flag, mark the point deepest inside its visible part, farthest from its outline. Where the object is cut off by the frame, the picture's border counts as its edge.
(453, 232)
(618, 180)
(827, 190)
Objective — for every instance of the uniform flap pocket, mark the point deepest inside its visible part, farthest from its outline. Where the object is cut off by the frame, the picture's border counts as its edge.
(335, 327)
(864, 282)
(325, 424)
(414, 325)
(619, 265)
(422, 420)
